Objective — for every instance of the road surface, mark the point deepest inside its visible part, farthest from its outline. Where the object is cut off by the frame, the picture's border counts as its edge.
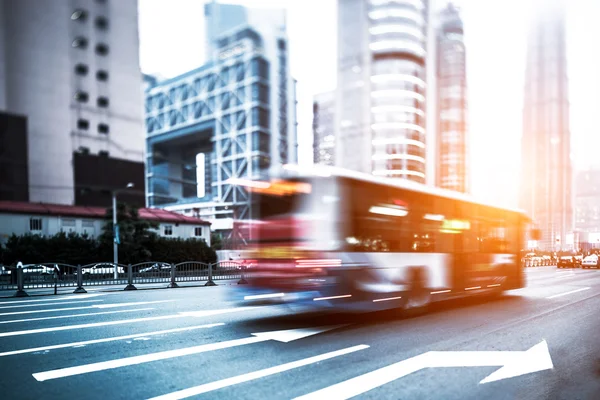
(540, 342)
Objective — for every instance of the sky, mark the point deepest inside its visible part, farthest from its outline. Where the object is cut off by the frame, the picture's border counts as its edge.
(172, 42)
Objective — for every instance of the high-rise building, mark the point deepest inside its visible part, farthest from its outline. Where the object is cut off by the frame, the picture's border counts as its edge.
(72, 70)
(323, 128)
(546, 186)
(232, 118)
(381, 90)
(587, 201)
(452, 140)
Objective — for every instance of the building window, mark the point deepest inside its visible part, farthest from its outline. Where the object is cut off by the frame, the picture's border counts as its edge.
(102, 75)
(101, 23)
(198, 231)
(168, 230)
(103, 153)
(82, 97)
(102, 101)
(102, 49)
(35, 224)
(83, 124)
(80, 43)
(79, 15)
(81, 69)
(103, 128)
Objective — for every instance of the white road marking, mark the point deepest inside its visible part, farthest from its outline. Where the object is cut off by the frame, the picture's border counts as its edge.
(567, 293)
(514, 363)
(73, 316)
(111, 339)
(58, 300)
(264, 296)
(441, 291)
(387, 299)
(52, 304)
(139, 303)
(121, 322)
(282, 336)
(223, 383)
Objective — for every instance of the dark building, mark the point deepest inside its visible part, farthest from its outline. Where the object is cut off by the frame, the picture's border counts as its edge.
(96, 176)
(452, 140)
(14, 181)
(546, 185)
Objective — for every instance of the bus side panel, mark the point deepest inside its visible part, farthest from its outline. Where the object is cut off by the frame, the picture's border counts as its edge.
(388, 272)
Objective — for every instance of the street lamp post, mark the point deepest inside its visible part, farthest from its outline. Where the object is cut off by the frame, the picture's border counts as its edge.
(114, 215)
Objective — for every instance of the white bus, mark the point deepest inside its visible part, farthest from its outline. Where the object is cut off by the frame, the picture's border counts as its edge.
(334, 238)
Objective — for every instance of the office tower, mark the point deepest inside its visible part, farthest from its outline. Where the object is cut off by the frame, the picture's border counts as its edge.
(72, 70)
(323, 128)
(452, 139)
(232, 118)
(381, 90)
(546, 186)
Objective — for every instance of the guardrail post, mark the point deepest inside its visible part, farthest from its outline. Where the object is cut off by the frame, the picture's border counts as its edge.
(129, 278)
(243, 281)
(55, 280)
(173, 284)
(210, 276)
(80, 288)
(20, 284)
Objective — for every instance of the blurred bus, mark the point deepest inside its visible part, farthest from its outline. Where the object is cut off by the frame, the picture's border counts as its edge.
(338, 239)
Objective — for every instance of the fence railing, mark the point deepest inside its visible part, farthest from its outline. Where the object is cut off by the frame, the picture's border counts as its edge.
(56, 275)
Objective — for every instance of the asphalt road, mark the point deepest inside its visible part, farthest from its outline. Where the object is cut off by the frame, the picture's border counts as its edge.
(543, 341)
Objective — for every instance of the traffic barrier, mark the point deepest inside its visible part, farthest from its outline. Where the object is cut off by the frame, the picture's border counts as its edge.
(80, 288)
(130, 279)
(20, 283)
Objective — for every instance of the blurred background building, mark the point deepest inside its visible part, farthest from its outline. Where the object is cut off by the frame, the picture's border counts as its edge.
(452, 142)
(380, 98)
(70, 83)
(546, 186)
(587, 208)
(232, 118)
(324, 128)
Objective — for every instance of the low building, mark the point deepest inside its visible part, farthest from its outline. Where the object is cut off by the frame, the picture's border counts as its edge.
(49, 219)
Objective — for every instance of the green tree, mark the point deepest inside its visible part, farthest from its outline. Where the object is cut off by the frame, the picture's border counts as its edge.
(216, 242)
(134, 233)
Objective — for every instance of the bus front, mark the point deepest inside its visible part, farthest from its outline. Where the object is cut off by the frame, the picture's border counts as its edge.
(292, 241)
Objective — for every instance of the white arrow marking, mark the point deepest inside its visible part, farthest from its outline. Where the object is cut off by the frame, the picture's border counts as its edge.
(281, 336)
(51, 304)
(514, 363)
(120, 322)
(209, 387)
(85, 308)
(112, 339)
(13, 321)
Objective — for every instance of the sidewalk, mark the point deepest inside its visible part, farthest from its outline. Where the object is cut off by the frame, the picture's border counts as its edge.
(9, 293)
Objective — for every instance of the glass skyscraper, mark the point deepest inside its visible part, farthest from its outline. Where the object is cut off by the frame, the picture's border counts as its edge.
(381, 92)
(547, 184)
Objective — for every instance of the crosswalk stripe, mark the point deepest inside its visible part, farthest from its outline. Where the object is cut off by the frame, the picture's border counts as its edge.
(51, 304)
(124, 321)
(111, 339)
(73, 316)
(223, 383)
(115, 305)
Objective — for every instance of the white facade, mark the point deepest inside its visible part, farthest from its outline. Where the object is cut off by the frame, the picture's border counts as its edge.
(53, 54)
(49, 225)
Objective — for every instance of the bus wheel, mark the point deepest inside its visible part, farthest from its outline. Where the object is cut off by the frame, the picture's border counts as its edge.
(418, 297)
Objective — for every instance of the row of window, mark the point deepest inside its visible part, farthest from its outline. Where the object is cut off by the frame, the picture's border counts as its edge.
(80, 15)
(84, 124)
(83, 97)
(82, 70)
(81, 43)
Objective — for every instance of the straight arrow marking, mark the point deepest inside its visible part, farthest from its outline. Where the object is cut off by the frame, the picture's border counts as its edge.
(513, 363)
(282, 336)
(223, 383)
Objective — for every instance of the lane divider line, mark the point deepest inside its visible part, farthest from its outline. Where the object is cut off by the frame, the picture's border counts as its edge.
(115, 305)
(52, 304)
(73, 316)
(567, 293)
(111, 339)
